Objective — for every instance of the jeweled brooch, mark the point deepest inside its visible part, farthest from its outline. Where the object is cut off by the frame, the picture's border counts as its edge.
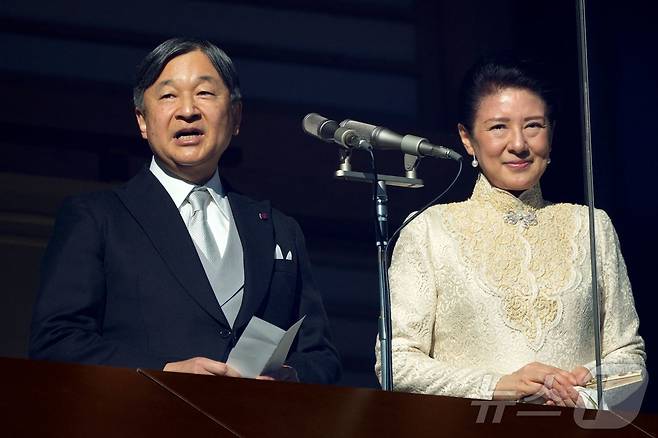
(525, 218)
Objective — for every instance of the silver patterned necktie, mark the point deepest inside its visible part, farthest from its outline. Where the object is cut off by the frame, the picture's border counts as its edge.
(198, 225)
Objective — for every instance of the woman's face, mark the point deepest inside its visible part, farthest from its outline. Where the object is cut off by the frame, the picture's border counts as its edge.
(511, 138)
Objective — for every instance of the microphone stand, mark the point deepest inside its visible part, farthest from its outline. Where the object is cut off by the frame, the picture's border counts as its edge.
(350, 139)
(380, 196)
(385, 325)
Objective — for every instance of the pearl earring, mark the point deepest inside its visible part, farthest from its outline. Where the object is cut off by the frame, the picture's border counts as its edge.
(474, 163)
(548, 161)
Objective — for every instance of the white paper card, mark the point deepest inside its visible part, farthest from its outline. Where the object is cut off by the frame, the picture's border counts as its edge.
(281, 352)
(262, 347)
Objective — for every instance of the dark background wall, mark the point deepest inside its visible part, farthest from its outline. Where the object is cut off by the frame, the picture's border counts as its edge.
(68, 126)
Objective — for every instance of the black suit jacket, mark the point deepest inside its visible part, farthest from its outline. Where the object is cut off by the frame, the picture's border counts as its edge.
(122, 285)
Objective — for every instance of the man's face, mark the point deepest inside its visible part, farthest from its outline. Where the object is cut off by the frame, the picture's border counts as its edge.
(188, 117)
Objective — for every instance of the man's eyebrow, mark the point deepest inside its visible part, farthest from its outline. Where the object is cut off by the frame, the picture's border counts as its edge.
(204, 78)
(207, 78)
(164, 83)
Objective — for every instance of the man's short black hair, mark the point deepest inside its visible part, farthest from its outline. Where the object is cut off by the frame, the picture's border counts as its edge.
(153, 64)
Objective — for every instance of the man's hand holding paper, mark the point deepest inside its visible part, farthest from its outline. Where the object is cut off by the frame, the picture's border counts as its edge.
(202, 365)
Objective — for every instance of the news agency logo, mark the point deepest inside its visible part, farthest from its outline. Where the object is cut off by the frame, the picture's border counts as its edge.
(621, 405)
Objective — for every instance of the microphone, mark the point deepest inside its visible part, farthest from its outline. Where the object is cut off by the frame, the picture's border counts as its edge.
(329, 131)
(351, 134)
(383, 138)
(349, 138)
(320, 127)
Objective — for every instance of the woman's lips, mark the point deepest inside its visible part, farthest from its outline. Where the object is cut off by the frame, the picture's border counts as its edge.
(518, 165)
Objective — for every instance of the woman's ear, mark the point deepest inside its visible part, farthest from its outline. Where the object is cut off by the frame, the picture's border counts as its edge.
(466, 139)
(551, 133)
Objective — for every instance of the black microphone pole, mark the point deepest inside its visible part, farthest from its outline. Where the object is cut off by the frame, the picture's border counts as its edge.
(385, 324)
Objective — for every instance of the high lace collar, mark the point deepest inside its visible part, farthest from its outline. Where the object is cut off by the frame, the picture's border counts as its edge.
(521, 210)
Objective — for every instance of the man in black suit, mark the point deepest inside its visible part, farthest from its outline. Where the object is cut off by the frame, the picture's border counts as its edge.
(166, 271)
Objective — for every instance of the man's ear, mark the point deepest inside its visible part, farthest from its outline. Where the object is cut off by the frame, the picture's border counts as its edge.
(236, 110)
(141, 122)
(466, 139)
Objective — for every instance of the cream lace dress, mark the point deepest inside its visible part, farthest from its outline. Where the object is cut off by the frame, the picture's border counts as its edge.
(482, 287)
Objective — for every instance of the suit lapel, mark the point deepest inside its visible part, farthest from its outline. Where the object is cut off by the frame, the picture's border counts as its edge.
(154, 210)
(254, 224)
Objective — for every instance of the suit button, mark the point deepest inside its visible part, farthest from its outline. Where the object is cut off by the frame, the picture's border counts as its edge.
(225, 333)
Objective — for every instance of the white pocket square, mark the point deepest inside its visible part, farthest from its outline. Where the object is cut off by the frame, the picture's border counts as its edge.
(278, 255)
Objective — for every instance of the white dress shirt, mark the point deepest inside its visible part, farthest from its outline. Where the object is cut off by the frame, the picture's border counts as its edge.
(218, 213)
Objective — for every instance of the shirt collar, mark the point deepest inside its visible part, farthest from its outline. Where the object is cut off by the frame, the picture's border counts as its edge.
(179, 189)
(504, 201)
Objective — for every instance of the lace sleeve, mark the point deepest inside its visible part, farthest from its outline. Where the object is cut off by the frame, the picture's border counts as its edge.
(622, 346)
(413, 301)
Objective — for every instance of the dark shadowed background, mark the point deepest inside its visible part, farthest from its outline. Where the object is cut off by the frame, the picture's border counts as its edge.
(66, 70)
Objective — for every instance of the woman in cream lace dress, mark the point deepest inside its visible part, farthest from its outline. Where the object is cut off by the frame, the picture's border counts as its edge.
(491, 297)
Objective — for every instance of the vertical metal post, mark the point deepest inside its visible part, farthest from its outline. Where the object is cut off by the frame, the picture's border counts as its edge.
(589, 181)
